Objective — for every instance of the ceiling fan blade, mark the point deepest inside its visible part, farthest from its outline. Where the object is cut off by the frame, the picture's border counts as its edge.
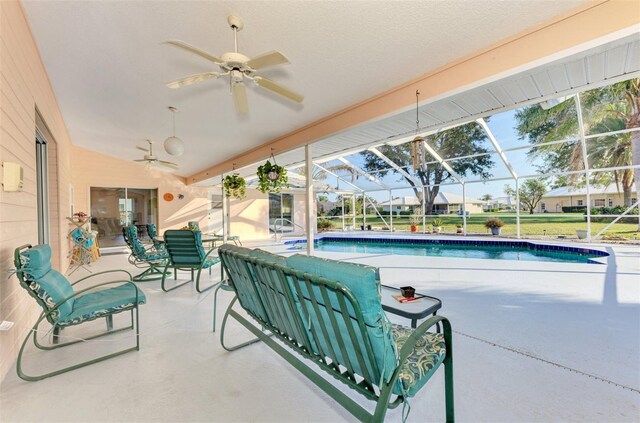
(192, 79)
(194, 50)
(240, 97)
(142, 149)
(278, 89)
(267, 59)
(141, 160)
(168, 164)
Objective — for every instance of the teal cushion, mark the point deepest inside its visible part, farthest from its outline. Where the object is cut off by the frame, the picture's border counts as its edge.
(36, 261)
(101, 303)
(48, 284)
(364, 283)
(428, 353)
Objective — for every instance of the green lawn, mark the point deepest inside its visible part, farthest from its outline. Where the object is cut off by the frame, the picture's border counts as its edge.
(550, 224)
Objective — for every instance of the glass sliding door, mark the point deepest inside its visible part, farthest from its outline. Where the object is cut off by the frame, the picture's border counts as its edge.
(113, 208)
(280, 213)
(108, 215)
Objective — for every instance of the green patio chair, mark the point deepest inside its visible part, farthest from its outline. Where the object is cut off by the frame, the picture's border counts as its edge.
(63, 307)
(150, 258)
(185, 252)
(152, 231)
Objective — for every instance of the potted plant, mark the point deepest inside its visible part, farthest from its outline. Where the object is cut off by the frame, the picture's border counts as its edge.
(234, 186)
(272, 178)
(459, 229)
(437, 225)
(414, 221)
(582, 233)
(494, 224)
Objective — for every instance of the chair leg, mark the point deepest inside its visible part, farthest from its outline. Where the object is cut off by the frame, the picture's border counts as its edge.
(224, 324)
(198, 281)
(448, 386)
(109, 320)
(162, 285)
(34, 329)
(152, 273)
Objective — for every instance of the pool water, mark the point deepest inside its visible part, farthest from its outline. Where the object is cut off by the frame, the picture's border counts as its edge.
(495, 250)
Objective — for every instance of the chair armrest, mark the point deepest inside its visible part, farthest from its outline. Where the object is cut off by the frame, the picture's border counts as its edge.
(102, 273)
(208, 252)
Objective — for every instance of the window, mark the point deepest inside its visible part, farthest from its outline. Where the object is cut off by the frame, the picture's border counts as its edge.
(281, 213)
(42, 188)
(610, 202)
(634, 200)
(543, 207)
(599, 202)
(580, 203)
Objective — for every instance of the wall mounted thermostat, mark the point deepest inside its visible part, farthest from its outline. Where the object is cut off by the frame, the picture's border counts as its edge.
(12, 177)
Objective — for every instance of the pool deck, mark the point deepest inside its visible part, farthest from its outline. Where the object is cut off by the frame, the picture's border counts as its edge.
(533, 341)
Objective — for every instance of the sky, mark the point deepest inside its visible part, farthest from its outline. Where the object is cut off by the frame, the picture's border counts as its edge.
(502, 126)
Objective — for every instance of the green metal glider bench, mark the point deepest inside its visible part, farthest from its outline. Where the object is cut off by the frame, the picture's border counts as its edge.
(63, 307)
(185, 252)
(151, 259)
(330, 313)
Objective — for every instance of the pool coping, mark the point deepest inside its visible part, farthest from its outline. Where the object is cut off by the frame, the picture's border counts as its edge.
(412, 239)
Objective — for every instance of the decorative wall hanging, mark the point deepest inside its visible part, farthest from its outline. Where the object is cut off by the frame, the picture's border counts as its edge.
(168, 197)
(418, 150)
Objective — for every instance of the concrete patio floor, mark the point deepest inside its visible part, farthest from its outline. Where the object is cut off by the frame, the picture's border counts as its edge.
(533, 342)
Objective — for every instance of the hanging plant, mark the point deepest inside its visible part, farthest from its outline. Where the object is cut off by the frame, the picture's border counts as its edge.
(272, 178)
(234, 186)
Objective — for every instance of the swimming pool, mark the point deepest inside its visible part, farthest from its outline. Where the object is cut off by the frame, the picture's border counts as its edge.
(479, 249)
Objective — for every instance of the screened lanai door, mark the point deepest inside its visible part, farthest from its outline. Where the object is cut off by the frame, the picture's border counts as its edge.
(113, 208)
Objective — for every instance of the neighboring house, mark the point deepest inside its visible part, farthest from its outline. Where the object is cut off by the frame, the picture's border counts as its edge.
(608, 196)
(445, 203)
(326, 206)
(500, 203)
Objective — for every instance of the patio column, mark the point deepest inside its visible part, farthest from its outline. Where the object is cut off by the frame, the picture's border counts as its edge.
(464, 209)
(364, 211)
(342, 211)
(309, 200)
(585, 159)
(391, 210)
(424, 210)
(353, 210)
(517, 209)
(225, 215)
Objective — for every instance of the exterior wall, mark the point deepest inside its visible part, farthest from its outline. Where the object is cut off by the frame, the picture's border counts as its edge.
(91, 169)
(555, 204)
(250, 216)
(24, 86)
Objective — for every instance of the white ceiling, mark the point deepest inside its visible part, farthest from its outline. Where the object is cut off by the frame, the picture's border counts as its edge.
(605, 64)
(108, 68)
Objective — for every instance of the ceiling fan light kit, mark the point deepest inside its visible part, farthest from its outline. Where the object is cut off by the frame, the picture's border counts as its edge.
(238, 67)
(174, 145)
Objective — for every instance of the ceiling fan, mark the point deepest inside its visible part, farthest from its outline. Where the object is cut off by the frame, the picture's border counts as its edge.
(149, 159)
(238, 67)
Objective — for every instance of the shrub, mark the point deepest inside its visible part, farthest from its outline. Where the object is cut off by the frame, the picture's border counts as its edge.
(324, 225)
(595, 211)
(493, 222)
(405, 213)
(574, 209)
(436, 222)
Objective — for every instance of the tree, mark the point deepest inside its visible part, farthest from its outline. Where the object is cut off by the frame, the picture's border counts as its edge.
(531, 192)
(487, 197)
(605, 109)
(464, 140)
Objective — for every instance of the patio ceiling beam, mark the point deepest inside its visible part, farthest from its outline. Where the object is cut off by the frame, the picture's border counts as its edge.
(362, 172)
(339, 177)
(584, 27)
(497, 147)
(393, 164)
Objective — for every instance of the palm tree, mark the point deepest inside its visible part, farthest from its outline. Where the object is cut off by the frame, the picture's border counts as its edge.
(606, 109)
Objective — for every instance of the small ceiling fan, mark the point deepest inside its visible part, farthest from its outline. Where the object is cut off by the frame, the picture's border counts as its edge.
(149, 159)
(238, 67)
